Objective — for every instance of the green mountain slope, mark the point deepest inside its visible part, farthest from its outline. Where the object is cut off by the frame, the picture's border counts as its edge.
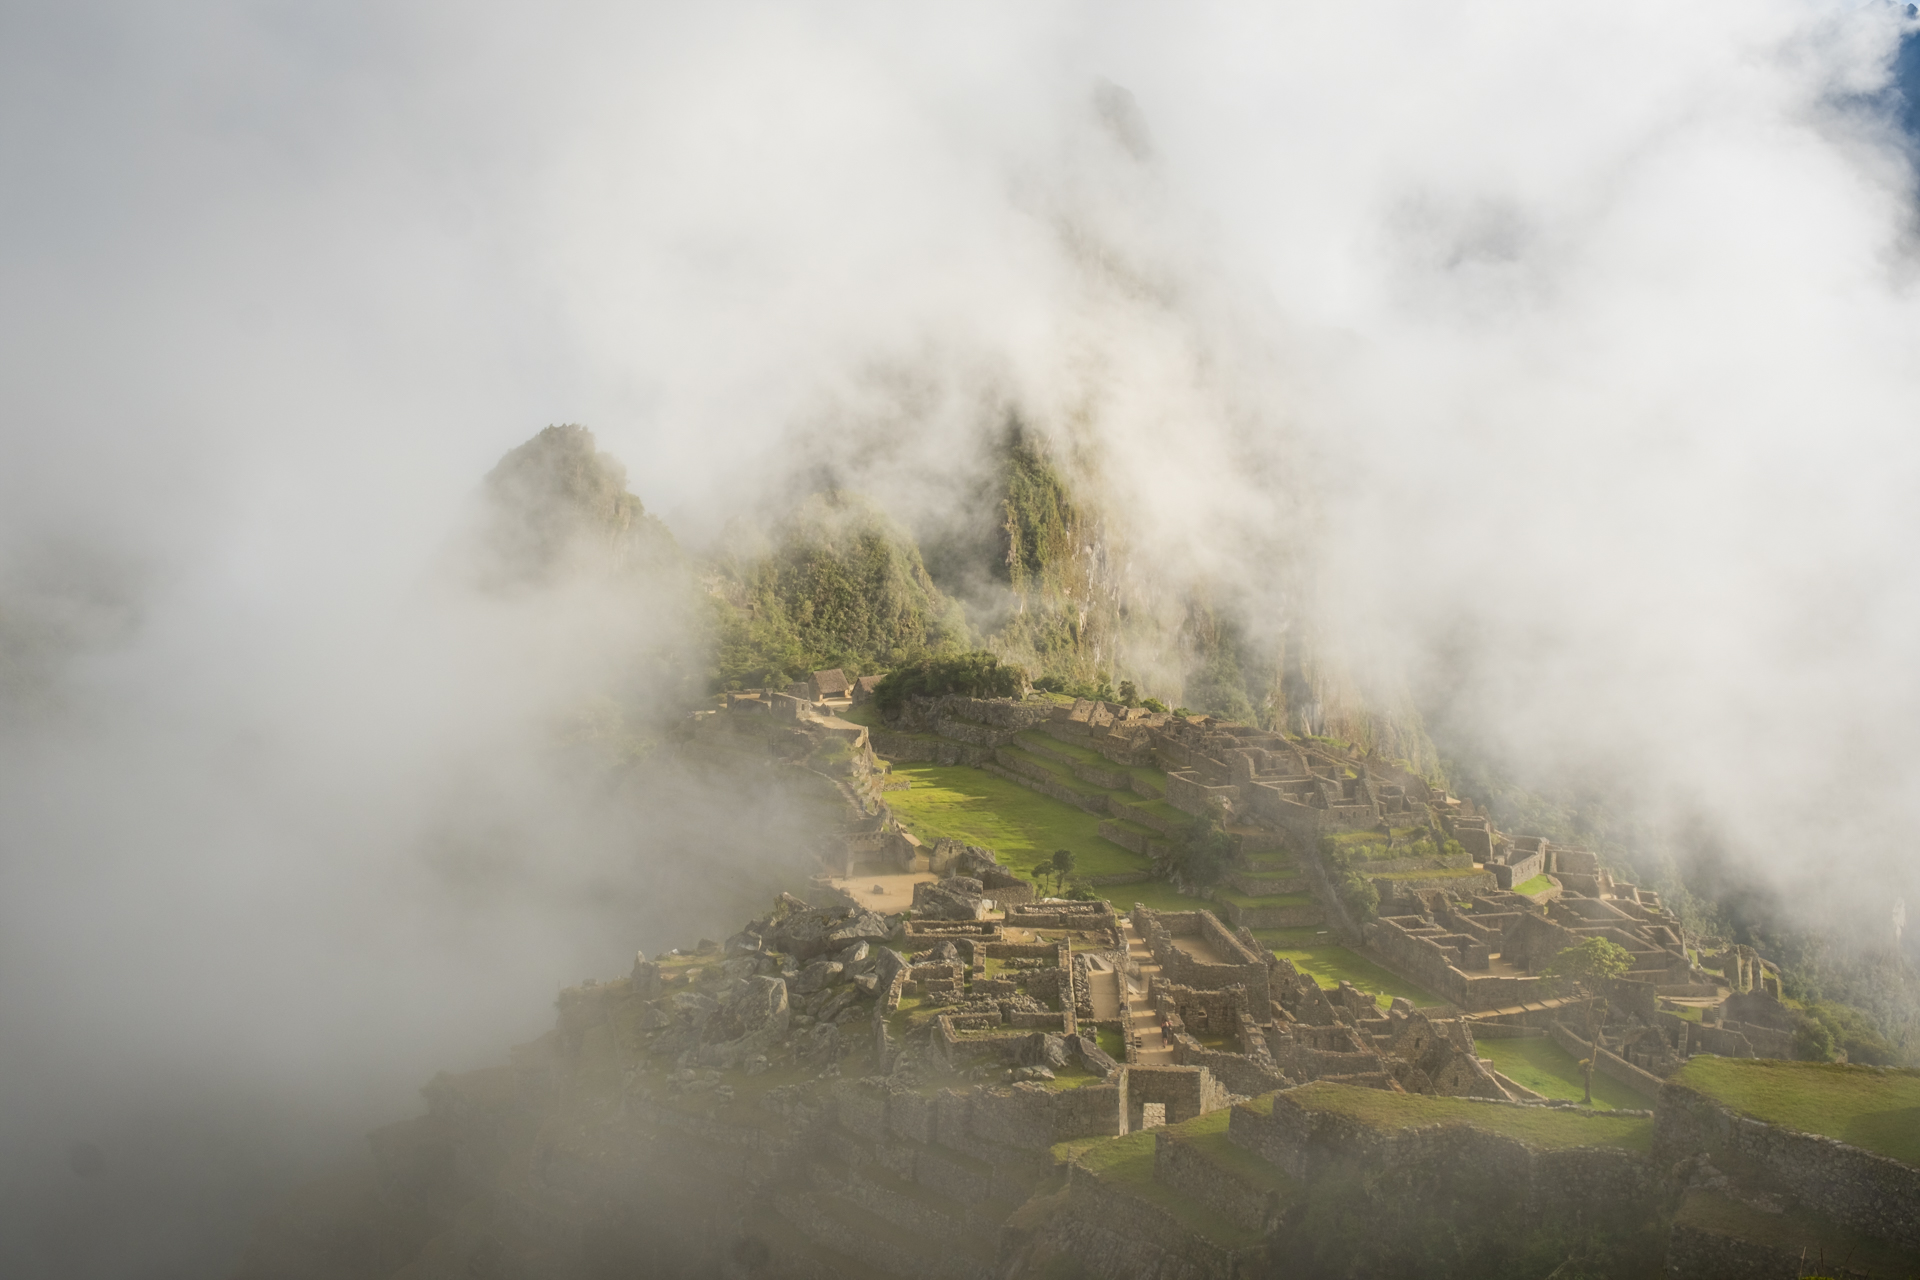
(835, 584)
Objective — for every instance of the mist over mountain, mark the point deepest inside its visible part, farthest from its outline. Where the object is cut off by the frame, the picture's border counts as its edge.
(1523, 394)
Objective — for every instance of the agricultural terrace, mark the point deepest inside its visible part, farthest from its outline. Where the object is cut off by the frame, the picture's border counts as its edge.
(1329, 964)
(1126, 1165)
(1023, 828)
(1549, 1128)
(1537, 1063)
(1876, 1108)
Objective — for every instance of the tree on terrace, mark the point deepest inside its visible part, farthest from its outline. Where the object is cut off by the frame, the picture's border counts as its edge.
(1586, 969)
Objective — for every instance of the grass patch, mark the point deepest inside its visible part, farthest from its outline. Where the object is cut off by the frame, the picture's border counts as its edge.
(1797, 1231)
(1239, 899)
(1046, 744)
(1207, 1135)
(1328, 965)
(1111, 1042)
(1021, 826)
(1443, 873)
(865, 713)
(1127, 1164)
(1546, 1068)
(1539, 884)
(1869, 1107)
(1142, 808)
(1157, 895)
(1540, 1127)
(1295, 939)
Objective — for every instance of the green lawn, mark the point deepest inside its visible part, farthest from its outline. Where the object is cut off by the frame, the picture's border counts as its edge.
(1539, 884)
(1021, 826)
(1442, 873)
(1155, 894)
(1024, 827)
(1546, 1068)
(1536, 1126)
(1329, 964)
(1239, 899)
(1295, 939)
(1866, 1106)
(1126, 1164)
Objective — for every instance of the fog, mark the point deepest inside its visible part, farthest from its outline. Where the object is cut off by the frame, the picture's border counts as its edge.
(1568, 349)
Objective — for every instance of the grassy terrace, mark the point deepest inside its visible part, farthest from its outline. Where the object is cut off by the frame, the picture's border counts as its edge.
(1022, 826)
(1207, 1135)
(1818, 1239)
(1127, 1164)
(1539, 1127)
(1271, 900)
(1330, 963)
(1539, 884)
(1546, 1068)
(1444, 873)
(1868, 1107)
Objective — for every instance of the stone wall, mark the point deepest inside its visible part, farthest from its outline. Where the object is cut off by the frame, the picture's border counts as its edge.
(1159, 929)
(1309, 1144)
(1608, 1064)
(1188, 794)
(1185, 1091)
(1178, 1164)
(1868, 1192)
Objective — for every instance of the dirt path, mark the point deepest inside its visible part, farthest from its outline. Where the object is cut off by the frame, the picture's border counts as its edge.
(1151, 1048)
(895, 891)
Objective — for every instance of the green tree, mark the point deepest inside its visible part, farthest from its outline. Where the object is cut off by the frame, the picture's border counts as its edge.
(1586, 969)
(1206, 852)
(1062, 864)
(1358, 895)
(974, 675)
(1129, 694)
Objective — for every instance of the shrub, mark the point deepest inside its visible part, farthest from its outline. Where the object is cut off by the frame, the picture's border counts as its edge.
(1359, 896)
(1812, 1042)
(1203, 856)
(974, 675)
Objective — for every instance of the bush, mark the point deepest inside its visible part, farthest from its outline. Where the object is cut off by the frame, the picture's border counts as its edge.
(973, 675)
(1812, 1042)
(1853, 1031)
(1202, 858)
(1359, 896)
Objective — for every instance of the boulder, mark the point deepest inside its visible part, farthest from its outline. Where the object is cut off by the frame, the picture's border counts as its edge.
(645, 979)
(886, 962)
(1043, 1050)
(756, 1018)
(945, 953)
(819, 974)
(807, 933)
(1092, 1056)
(845, 998)
(694, 1005)
(853, 958)
(820, 1046)
(955, 898)
(864, 926)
